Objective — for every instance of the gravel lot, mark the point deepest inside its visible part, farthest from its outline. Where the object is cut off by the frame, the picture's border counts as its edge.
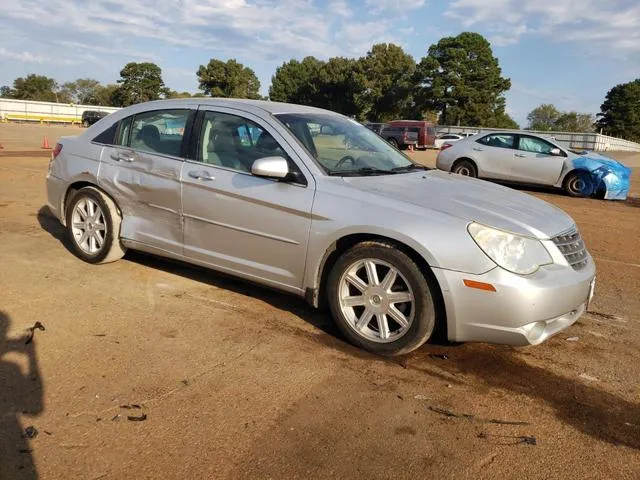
(241, 382)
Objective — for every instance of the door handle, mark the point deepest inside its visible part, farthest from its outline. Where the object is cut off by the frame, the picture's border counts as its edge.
(521, 155)
(122, 157)
(477, 149)
(201, 176)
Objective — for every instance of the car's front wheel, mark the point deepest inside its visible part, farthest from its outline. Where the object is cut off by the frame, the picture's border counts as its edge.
(85, 124)
(380, 299)
(93, 223)
(579, 184)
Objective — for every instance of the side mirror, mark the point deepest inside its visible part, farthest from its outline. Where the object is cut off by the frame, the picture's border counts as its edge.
(556, 151)
(270, 167)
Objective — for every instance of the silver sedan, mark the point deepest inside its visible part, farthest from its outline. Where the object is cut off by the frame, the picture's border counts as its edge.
(396, 251)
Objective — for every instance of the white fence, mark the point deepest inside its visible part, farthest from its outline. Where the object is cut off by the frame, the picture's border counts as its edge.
(30, 111)
(580, 141)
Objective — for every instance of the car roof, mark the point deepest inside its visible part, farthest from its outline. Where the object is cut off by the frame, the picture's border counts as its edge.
(265, 105)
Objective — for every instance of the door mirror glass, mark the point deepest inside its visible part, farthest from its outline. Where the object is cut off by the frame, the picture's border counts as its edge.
(555, 151)
(270, 167)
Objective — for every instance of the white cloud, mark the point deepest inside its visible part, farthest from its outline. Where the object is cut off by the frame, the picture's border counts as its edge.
(399, 7)
(26, 57)
(611, 26)
(340, 8)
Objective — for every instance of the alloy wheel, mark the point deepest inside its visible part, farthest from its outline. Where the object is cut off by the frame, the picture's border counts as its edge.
(88, 226)
(376, 300)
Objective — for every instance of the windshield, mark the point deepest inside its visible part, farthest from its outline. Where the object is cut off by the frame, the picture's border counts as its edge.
(345, 147)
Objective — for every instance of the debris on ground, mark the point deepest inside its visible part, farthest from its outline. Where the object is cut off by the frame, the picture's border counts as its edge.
(421, 397)
(473, 418)
(115, 418)
(30, 432)
(32, 332)
(588, 377)
(441, 356)
(515, 439)
(573, 339)
(131, 406)
(134, 418)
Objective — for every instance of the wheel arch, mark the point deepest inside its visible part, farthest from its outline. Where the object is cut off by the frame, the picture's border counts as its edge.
(463, 159)
(73, 188)
(317, 295)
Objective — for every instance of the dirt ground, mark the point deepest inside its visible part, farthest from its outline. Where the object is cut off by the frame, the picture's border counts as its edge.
(241, 382)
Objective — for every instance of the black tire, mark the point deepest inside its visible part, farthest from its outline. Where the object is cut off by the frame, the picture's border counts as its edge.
(466, 168)
(86, 124)
(393, 142)
(111, 248)
(579, 184)
(424, 314)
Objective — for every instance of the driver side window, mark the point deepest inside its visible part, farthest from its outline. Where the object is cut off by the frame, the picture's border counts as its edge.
(234, 142)
(535, 145)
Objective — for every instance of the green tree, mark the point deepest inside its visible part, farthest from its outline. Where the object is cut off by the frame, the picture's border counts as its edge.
(388, 82)
(502, 119)
(139, 82)
(620, 113)
(81, 91)
(296, 82)
(6, 92)
(340, 86)
(174, 94)
(228, 79)
(35, 87)
(575, 122)
(105, 95)
(543, 117)
(461, 79)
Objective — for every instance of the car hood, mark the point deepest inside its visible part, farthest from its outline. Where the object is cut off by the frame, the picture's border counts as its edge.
(591, 161)
(471, 200)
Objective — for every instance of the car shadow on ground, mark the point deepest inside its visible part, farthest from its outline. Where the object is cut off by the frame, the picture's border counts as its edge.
(20, 394)
(590, 410)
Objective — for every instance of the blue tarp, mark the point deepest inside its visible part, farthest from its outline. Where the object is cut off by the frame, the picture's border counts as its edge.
(607, 174)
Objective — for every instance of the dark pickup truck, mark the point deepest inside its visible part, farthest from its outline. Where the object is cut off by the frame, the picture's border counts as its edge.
(400, 137)
(89, 117)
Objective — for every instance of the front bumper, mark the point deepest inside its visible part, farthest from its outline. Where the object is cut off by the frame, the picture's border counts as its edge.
(524, 310)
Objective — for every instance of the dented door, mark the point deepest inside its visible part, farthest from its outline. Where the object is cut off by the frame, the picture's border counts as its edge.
(142, 174)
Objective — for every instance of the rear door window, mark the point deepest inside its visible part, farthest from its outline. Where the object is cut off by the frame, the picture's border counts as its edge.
(159, 131)
(107, 136)
(500, 140)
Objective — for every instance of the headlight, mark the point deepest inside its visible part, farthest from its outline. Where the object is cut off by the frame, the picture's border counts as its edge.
(512, 252)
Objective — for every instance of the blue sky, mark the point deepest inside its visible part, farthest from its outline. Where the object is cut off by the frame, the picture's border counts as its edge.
(566, 52)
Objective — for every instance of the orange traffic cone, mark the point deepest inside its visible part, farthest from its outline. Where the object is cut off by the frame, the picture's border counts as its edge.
(45, 144)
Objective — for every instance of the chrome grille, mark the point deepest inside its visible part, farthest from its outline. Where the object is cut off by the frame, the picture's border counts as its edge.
(572, 247)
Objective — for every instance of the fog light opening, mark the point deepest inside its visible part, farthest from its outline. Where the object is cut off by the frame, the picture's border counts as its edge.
(537, 330)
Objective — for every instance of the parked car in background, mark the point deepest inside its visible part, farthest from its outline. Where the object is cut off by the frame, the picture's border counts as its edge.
(426, 131)
(399, 137)
(89, 117)
(533, 159)
(396, 250)
(447, 138)
(375, 127)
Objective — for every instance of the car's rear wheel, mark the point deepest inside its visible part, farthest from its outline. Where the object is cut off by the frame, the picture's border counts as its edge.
(380, 299)
(465, 167)
(579, 184)
(393, 142)
(93, 223)
(85, 123)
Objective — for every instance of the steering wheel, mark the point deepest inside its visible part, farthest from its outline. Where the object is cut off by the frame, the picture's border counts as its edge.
(343, 160)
